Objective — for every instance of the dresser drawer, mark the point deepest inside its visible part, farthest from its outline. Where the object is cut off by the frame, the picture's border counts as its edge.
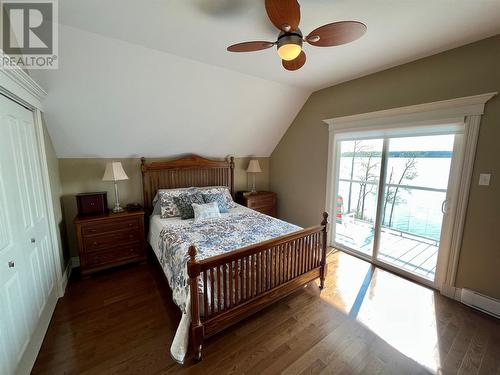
(114, 255)
(267, 201)
(109, 240)
(270, 211)
(113, 225)
(103, 241)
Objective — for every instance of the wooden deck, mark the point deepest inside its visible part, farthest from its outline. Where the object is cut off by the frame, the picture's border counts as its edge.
(411, 253)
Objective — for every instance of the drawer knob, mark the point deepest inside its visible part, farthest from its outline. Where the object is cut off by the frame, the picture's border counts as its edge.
(93, 230)
(33, 240)
(11, 264)
(130, 224)
(95, 243)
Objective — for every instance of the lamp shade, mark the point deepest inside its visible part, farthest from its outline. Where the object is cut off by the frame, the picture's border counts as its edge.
(114, 172)
(254, 167)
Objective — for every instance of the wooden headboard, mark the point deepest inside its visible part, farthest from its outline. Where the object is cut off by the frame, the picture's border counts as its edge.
(187, 171)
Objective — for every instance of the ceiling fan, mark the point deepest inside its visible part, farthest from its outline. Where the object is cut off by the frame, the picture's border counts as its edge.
(285, 15)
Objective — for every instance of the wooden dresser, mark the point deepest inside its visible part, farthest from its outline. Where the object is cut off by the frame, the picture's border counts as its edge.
(262, 201)
(110, 240)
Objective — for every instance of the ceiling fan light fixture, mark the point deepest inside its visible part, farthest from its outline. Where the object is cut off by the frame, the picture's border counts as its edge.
(289, 46)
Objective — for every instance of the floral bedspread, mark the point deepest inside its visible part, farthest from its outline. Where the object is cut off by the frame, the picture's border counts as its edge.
(212, 237)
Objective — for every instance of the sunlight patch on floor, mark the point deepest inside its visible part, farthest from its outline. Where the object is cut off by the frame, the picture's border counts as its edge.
(400, 312)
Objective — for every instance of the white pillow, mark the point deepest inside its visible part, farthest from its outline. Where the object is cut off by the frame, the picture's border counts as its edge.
(205, 211)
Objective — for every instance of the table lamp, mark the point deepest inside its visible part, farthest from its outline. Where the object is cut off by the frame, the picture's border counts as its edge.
(114, 172)
(253, 168)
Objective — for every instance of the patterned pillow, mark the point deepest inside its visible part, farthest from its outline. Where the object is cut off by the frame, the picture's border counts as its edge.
(166, 198)
(205, 211)
(219, 198)
(185, 202)
(224, 190)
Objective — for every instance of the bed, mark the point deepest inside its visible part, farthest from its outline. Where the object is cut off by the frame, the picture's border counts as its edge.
(225, 269)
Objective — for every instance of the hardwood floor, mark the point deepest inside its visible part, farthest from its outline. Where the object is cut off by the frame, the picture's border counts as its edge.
(365, 321)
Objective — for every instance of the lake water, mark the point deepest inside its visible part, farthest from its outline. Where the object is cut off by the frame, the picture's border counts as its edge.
(416, 211)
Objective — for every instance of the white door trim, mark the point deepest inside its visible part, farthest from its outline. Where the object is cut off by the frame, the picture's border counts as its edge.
(17, 85)
(466, 109)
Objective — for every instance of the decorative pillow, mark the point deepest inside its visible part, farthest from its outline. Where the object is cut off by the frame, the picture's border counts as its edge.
(185, 202)
(205, 211)
(166, 199)
(219, 198)
(224, 190)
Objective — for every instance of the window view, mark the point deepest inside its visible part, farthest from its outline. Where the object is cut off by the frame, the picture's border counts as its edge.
(359, 173)
(413, 199)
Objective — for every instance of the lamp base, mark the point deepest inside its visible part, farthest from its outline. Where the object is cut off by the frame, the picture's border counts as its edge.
(117, 209)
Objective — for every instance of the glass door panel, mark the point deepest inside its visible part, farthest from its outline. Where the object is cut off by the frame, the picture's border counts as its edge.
(357, 192)
(414, 202)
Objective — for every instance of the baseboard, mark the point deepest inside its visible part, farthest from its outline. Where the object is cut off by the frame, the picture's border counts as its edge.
(480, 302)
(65, 277)
(31, 352)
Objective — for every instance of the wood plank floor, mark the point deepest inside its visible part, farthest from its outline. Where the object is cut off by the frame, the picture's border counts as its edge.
(365, 321)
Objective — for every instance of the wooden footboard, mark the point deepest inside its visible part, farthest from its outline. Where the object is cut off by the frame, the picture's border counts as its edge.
(237, 284)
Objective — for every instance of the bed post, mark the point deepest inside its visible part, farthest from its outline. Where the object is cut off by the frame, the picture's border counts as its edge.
(143, 172)
(324, 245)
(231, 166)
(193, 268)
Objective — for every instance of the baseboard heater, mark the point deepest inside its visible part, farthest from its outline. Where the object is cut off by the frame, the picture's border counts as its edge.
(481, 302)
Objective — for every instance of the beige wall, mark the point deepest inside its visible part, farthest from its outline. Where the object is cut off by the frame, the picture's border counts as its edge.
(299, 162)
(85, 175)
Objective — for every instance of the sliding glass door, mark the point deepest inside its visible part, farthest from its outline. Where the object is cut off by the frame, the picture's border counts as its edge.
(391, 200)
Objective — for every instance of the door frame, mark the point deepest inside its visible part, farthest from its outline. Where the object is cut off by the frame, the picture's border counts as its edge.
(18, 86)
(467, 110)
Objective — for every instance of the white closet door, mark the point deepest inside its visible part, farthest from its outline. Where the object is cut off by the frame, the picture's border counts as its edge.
(26, 264)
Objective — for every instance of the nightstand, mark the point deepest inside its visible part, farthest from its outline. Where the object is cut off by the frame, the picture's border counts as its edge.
(262, 201)
(110, 240)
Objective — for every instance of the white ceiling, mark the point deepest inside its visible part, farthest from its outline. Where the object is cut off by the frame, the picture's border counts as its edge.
(398, 31)
(153, 78)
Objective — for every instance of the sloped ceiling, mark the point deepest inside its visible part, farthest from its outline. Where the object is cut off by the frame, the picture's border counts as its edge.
(152, 77)
(110, 98)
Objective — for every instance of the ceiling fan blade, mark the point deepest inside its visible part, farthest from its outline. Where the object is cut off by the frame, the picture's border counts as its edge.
(337, 33)
(284, 14)
(296, 63)
(250, 46)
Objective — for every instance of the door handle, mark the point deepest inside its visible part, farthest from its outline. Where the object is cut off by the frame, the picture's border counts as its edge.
(11, 264)
(444, 207)
(33, 240)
